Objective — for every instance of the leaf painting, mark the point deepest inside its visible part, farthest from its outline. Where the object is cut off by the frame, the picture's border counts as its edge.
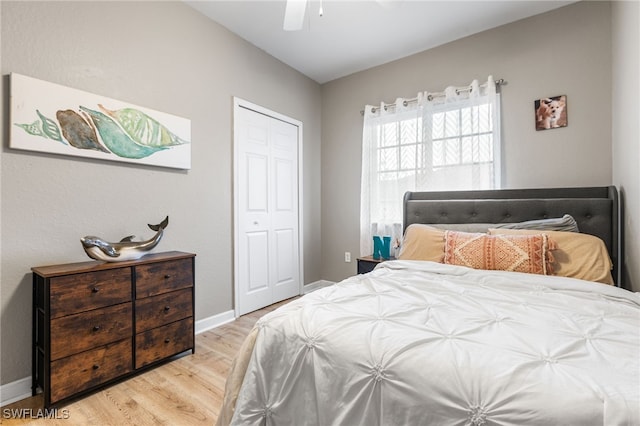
(78, 132)
(116, 139)
(97, 127)
(145, 136)
(34, 128)
(142, 128)
(45, 127)
(49, 127)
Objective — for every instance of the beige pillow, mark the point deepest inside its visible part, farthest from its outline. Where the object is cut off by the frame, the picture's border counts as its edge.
(577, 255)
(422, 242)
(516, 253)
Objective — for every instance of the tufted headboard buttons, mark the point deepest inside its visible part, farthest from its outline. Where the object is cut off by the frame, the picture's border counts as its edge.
(595, 209)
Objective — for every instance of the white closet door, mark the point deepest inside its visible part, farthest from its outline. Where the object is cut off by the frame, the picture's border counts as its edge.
(267, 211)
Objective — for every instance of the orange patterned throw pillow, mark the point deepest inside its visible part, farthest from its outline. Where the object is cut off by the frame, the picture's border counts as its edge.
(517, 253)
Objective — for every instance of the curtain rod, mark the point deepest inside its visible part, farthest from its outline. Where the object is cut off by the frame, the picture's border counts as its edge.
(499, 82)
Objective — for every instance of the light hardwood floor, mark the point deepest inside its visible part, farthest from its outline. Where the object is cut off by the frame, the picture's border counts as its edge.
(184, 391)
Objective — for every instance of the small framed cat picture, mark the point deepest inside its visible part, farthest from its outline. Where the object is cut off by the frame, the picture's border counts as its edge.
(551, 113)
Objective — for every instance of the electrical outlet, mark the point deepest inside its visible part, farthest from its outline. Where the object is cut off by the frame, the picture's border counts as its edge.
(347, 256)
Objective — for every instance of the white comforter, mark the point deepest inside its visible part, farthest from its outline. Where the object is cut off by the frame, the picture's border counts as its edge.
(421, 343)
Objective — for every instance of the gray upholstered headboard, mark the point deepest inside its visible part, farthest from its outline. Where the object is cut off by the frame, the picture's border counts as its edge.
(595, 209)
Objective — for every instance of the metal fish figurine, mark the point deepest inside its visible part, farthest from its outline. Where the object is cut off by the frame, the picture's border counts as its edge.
(126, 249)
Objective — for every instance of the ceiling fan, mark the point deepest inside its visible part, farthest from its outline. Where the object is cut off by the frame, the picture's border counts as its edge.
(295, 10)
(294, 15)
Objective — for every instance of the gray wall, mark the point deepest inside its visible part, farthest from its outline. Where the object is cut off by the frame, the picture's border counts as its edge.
(563, 52)
(165, 56)
(626, 126)
(160, 55)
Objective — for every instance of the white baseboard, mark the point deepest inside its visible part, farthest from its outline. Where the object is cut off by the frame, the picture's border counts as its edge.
(308, 288)
(15, 391)
(214, 321)
(21, 388)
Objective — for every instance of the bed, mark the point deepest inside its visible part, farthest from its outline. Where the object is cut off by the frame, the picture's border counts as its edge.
(436, 342)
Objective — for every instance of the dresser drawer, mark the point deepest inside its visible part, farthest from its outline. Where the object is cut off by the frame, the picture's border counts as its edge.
(157, 278)
(155, 311)
(87, 369)
(82, 292)
(86, 315)
(79, 332)
(159, 343)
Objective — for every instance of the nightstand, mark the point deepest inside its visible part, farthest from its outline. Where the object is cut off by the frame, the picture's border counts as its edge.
(367, 263)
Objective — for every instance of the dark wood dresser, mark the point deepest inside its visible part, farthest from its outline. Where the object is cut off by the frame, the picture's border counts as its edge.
(95, 322)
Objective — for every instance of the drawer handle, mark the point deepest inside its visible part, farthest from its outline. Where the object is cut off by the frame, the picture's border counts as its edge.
(167, 308)
(95, 290)
(95, 366)
(167, 340)
(166, 277)
(96, 327)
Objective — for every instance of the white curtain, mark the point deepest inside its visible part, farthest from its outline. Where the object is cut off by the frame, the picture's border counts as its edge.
(440, 141)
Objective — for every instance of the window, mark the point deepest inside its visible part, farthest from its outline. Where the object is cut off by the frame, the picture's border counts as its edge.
(462, 136)
(447, 141)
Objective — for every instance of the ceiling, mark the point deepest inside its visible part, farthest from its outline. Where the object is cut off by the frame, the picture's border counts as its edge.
(352, 36)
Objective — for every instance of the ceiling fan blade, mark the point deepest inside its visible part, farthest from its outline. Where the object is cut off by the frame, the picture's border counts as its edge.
(294, 15)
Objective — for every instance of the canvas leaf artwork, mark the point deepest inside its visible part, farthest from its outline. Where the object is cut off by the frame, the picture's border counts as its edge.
(51, 118)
